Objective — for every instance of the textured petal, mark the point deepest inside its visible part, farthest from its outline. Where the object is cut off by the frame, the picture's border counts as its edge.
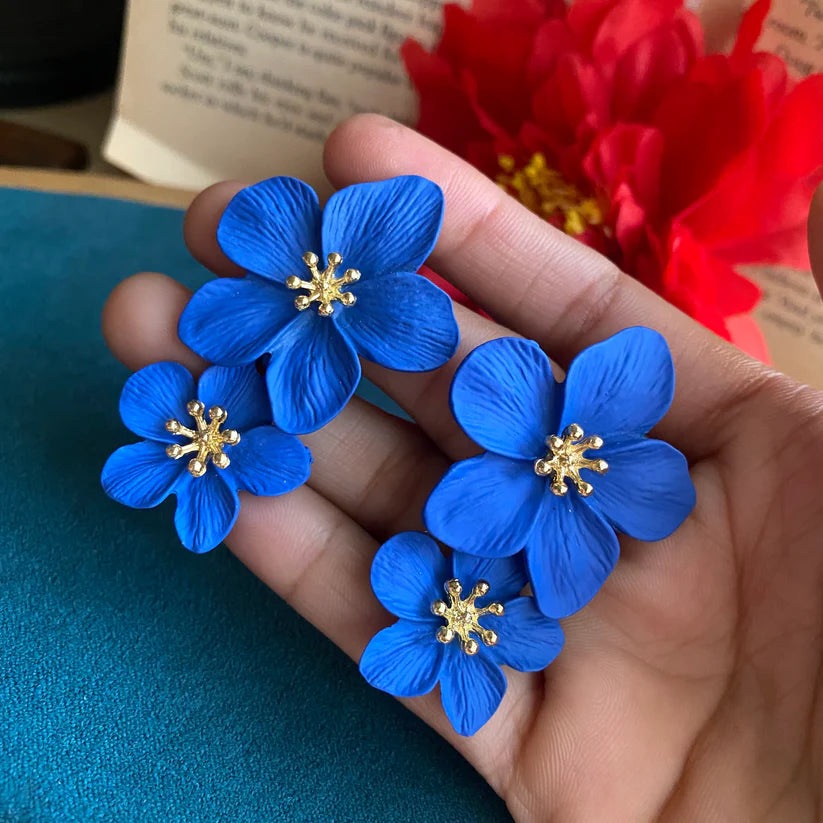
(268, 462)
(404, 660)
(141, 475)
(527, 640)
(486, 505)
(471, 688)
(241, 391)
(504, 397)
(267, 228)
(620, 387)
(402, 321)
(507, 576)
(312, 373)
(384, 227)
(570, 553)
(408, 574)
(647, 491)
(233, 320)
(153, 395)
(206, 510)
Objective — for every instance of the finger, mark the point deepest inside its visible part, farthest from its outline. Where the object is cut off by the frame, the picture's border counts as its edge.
(375, 467)
(426, 396)
(318, 560)
(540, 282)
(302, 545)
(200, 228)
(816, 237)
(146, 307)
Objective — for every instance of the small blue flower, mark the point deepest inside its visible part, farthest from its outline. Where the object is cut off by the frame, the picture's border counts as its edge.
(444, 633)
(189, 453)
(566, 464)
(323, 288)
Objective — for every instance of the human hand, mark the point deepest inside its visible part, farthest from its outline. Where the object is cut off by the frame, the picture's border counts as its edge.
(689, 688)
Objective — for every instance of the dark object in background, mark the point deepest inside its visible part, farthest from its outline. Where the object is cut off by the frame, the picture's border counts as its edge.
(24, 146)
(53, 50)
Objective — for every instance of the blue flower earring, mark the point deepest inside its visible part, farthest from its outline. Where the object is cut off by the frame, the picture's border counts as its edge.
(566, 465)
(446, 635)
(322, 288)
(189, 452)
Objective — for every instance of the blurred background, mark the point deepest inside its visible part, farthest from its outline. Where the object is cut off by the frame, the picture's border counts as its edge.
(58, 64)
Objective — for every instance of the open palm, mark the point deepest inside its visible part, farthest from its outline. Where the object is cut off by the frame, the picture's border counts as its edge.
(690, 688)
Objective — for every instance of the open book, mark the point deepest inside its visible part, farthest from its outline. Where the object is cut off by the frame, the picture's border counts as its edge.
(247, 89)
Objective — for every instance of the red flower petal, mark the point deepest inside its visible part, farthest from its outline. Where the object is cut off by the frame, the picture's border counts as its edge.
(572, 103)
(445, 113)
(648, 70)
(495, 51)
(757, 211)
(628, 22)
(751, 27)
(707, 121)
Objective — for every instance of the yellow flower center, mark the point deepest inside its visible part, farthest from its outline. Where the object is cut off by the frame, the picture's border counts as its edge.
(325, 287)
(463, 616)
(566, 458)
(543, 190)
(206, 438)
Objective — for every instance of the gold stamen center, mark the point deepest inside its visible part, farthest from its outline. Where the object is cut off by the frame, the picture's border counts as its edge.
(566, 458)
(463, 616)
(543, 190)
(206, 438)
(325, 287)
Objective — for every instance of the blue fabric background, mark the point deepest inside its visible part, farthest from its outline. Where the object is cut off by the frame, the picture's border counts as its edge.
(139, 682)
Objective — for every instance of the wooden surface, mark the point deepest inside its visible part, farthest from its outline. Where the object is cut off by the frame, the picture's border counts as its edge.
(94, 184)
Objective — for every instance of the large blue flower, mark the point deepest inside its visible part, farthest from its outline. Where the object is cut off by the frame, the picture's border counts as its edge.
(566, 464)
(189, 453)
(323, 288)
(460, 621)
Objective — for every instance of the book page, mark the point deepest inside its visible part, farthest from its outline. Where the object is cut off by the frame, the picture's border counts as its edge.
(794, 31)
(214, 89)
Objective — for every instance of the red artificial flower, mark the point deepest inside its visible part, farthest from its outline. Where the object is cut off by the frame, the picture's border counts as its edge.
(607, 118)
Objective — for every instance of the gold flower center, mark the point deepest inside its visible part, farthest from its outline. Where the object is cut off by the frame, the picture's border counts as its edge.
(206, 438)
(325, 287)
(463, 616)
(566, 458)
(543, 190)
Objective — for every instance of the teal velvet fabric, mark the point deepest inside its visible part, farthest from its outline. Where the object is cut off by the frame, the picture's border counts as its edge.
(139, 682)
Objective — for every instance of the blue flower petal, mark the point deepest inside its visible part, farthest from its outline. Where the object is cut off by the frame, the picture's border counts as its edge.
(647, 491)
(408, 574)
(153, 395)
(241, 391)
(402, 321)
(207, 508)
(404, 660)
(527, 640)
(507, 576)
(312, 373)
(141, 475)
(620, 387)
(570, 554)
(385, 227)
(471, 688)
(268, 462)
(233, 320)
(504, 397)
(268, 227)
(486, 505)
